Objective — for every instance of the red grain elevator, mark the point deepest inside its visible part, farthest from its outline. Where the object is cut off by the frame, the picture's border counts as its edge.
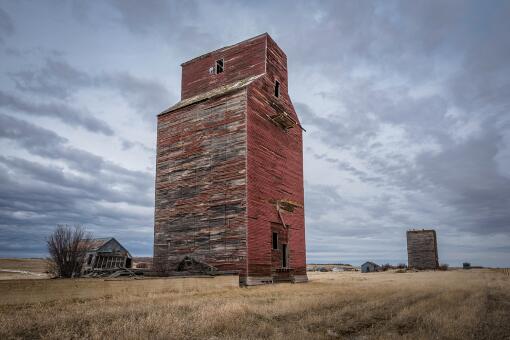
(229, 168)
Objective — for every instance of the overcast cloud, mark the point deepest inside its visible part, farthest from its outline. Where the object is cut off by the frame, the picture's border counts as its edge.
(406, 106)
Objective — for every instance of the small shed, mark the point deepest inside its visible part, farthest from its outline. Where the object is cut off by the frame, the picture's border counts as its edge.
(106, 253)
(369, 267)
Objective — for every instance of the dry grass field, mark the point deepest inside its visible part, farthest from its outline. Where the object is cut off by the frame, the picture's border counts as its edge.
(425, 305)
(19, 269)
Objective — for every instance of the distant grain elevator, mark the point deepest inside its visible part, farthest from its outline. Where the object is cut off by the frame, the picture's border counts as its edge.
(422, 249)
(229, 176)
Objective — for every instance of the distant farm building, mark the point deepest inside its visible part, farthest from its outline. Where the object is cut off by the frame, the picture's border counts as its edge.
(142, 262)
(106, 253)
(369, 267)
(229, 174)
(422, 249)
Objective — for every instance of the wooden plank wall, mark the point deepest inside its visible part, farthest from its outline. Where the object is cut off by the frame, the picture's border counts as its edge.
(241, 61)
(422, 249)
(221, 162)
(277, 254)
(275, 171)
(201, 184)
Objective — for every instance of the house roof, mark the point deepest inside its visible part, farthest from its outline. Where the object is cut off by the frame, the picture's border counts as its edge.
(97, 243)
(369, 262)
(219, 91)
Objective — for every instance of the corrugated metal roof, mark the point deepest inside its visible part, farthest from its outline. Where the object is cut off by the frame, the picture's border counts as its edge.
(219, 91)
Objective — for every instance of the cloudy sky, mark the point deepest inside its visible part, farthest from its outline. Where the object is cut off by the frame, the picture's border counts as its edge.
(406, 106)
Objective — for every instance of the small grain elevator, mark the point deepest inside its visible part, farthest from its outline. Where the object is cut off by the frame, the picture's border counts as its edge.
(422, 249)
(229, 175)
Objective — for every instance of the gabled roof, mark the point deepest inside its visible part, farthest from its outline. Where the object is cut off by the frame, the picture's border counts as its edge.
(97, 243)
(369, 262)
(219, 91)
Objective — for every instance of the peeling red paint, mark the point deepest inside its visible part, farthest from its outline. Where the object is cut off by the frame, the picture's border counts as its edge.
(222, 164)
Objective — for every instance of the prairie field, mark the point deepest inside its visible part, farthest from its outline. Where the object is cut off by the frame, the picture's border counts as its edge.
(19, 269)
(471, 304)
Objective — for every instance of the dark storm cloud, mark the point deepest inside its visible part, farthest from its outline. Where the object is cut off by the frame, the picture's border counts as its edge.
(335, 131)
(152, 15)
(62, 112)
(405, 103)
(325, 203)
(127, 145)
(100, 174)
(321, 199)
(462, 173)
(50, 194)
(363, 176)
(58, 79)
(468, 177)
(6, 25)
(37, 196)
(46, 143)
(148, 97)
(175, 22)
(16, 129)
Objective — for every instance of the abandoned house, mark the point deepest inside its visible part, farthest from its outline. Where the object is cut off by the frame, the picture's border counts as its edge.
(369, 267)
(229, 175)
(106, 253)
(422, 249)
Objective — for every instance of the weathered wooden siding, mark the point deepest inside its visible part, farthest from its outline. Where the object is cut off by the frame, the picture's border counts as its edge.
(275, 171)
(222, 164)
(201, 184)
(422, 249)
(241, 61)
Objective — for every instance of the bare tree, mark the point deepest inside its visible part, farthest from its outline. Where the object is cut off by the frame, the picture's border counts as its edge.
(67, 247)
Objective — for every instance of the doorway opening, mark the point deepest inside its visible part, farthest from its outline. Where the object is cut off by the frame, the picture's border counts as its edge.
(284, 256)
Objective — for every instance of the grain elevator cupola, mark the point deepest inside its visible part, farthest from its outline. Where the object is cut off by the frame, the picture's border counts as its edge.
(229, 175)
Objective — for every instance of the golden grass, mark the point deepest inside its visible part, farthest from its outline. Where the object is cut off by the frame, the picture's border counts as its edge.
(19, 269)
(32, 265)
(15, 292)
(471, 304)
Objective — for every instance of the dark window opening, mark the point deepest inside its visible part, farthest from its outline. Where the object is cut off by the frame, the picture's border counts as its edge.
(89, 260)
(277, 89)
(284, 256)
(275, 240)
(219, 66)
